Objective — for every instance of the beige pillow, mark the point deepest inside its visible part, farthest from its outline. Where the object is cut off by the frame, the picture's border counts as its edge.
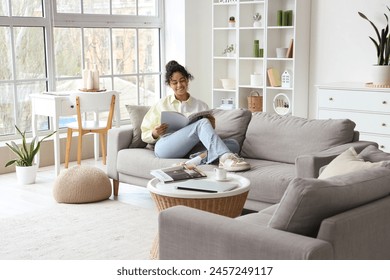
(346, 162)
(137, 113)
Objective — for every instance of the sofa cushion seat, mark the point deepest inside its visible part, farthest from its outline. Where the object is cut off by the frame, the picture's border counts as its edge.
(283, 138)
(307, 202)
(275, 177)
(260, 218)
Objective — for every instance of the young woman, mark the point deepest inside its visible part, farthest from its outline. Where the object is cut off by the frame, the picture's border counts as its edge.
(179, 143)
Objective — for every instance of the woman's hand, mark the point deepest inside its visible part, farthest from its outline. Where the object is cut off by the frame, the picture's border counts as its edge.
(159, 130)
(211, 118)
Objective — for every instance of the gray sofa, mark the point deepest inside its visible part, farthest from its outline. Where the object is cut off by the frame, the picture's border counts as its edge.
(342, 217)
(279, 148)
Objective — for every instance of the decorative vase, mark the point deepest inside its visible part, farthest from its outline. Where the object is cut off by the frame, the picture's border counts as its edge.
(26, 174)
(256, 49)
(228, 83)
(256, 79)
(380, 75)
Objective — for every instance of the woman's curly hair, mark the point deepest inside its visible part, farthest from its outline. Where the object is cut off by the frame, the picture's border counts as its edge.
(172, 67)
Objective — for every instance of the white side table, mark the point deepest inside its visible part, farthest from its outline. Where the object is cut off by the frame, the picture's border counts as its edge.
(228, 203)
(56, 105)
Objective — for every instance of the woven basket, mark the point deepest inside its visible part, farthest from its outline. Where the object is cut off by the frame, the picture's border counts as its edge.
(230, 206)
(255, 102)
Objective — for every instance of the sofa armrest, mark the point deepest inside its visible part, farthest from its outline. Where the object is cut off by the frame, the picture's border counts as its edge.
(360, 233)
(118, 138)
(187, 233)
(308, 166)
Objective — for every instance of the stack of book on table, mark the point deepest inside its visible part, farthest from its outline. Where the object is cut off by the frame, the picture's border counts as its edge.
(180, 178)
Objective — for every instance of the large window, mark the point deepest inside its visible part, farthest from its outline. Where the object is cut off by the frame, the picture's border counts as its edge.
(45, 45)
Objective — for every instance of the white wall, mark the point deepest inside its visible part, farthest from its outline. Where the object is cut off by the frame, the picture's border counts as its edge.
(175, 30)
(198, 46)
(188, 41)
(340, 49)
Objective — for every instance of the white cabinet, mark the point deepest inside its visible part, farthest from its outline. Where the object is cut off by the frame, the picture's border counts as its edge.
(368, 107)
(244, 62)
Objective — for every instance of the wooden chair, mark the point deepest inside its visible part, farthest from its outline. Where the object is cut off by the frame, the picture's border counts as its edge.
(87, 103)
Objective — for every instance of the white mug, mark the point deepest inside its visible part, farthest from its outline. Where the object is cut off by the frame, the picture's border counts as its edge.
(220, 173)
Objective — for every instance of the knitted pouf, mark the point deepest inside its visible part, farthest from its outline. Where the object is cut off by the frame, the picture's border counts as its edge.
(81, 184)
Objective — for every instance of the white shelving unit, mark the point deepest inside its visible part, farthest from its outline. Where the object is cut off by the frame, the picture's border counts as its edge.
(240, 65)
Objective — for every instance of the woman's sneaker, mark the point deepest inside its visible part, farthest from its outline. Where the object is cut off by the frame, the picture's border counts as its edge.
(232, 162)
(195, 160)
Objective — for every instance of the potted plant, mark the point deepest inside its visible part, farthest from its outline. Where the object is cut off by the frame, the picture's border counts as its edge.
(229, 50)
(232, 21)
(381, 70)
(256, 20)
(26, 170)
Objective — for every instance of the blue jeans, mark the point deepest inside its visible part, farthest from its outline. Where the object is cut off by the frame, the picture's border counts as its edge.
(180, 143)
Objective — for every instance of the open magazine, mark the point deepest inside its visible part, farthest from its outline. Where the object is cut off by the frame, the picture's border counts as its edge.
(177, 173)
(176, 120)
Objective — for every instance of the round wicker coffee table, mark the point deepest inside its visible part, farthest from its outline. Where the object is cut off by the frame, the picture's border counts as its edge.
(228, 203)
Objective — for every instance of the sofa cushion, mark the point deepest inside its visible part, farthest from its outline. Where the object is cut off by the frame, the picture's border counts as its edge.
(346, 162)
(373, 154)
(308, 201)
(232, 123)
(269, 179)
(283, 138)
(137, 114)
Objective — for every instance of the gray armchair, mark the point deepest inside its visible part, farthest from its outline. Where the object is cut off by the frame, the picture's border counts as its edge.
(343, 217)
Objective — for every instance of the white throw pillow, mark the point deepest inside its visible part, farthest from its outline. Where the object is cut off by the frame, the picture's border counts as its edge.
(346, 162)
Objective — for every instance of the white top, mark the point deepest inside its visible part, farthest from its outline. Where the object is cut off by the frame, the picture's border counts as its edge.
(169, 103)
(170, 189)
(352, 86)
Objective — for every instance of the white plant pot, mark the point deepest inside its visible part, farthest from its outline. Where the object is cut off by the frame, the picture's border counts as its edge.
(257, 24)
(26, 174)
(381, 75)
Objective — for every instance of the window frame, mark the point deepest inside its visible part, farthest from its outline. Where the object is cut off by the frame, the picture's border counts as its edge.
(51, 19)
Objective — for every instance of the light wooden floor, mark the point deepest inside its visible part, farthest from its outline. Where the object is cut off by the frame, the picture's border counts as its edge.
(16, 199)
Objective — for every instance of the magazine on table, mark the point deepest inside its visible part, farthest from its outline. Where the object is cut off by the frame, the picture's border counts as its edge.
(176, 120)
(177, 173)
